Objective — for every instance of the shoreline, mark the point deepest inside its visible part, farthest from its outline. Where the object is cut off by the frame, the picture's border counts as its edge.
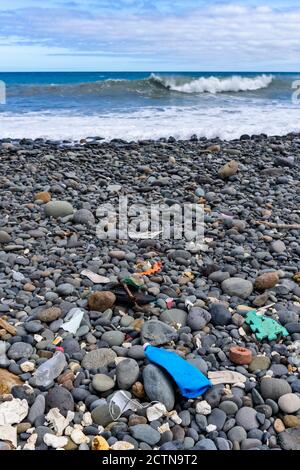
(52, 262)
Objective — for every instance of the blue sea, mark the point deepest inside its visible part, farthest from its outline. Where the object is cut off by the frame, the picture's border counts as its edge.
(144, 105)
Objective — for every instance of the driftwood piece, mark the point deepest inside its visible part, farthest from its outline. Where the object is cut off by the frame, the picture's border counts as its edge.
(6, 326)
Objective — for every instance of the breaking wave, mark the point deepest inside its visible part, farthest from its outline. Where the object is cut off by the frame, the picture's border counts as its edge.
(157, 85)
(214, 84)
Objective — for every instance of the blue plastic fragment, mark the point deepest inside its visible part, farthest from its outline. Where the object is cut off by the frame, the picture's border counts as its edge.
(191, 382)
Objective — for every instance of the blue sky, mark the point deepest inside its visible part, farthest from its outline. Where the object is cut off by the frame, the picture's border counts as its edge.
(113, 35)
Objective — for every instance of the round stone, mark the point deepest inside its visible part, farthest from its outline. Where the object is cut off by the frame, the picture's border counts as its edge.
(101, 301)
(274, 388)
(98, 358)
(266, 281)
(198, 318)
(101, 415)
(237, 287)
(289, 403)
(259, 363)
(102, 383)
(127, 372)
(246, 417)
(49, 314)
(43, 196)
(84, 217)
(158, 386)
(157, 333)
(61, 398)
(58, 209)
(65, 289)
(145, 433)
(4, 237)
(229, 407)
(220, 315)
(174, 316)
(20, 350)
(113, 338)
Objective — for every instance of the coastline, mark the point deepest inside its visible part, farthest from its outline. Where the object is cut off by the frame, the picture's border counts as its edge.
(252, 219)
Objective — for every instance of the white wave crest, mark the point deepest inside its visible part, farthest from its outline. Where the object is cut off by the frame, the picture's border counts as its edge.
(216, 85)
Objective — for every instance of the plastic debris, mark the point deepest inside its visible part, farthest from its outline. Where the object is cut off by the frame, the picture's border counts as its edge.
(8, 433)
(226, 377)
(73, 320)
(120, 403)
(134, 281)
(154, 269)
(57, 341)
(30, 443)
(188, 304)
(170, 303)
(94, 277)
(58, 421)
(265, 327)
(191, 382)
(49, 370)
(13, 411)
(156, 411)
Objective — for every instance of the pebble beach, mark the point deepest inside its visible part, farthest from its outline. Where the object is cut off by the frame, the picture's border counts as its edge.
(54, 269)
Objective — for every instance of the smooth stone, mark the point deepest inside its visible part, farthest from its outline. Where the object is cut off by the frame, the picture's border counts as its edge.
(290, 439)
(58, 209)
(246, 417)
(158, 386)
(98, 358)
(229, 407)
(198, 318)
(37, 409)
(127, 372)
(4, 237)
(20, 350)
(237, 434)
(113, 338)
(217, 418)
(102, 383)
(259, 363)
(289, 403)
(174, 316)
(101, 415)
(157, 333)
(220, 315)
(101, 301)
(61, 398)
(49, 315)
(237, 287)
(145, 433)
(274, 388)
(83, 216)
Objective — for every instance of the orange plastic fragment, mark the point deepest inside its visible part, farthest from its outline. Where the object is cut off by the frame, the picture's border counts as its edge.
(155, 268)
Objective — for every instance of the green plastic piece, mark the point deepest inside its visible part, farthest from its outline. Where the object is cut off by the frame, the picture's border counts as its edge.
(264, 327)
(133, 281)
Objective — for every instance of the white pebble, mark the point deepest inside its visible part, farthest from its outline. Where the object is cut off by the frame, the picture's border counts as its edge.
(203, 408)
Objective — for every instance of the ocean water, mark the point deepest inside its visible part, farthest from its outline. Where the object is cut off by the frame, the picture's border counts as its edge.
(136, 106)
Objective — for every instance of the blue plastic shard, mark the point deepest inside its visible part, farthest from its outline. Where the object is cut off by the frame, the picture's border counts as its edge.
(190, 381)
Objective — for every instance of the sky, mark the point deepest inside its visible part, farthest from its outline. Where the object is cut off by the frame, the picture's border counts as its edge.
(149, 35)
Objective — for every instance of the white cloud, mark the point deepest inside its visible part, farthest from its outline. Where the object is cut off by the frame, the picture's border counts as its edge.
(233, 36)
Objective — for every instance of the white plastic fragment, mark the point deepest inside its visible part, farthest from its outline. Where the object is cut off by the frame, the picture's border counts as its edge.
(174, 417)
(156, 411)
(13, 412)
(58, 421)
(8, 433)
(211, 428)
(73, 320)
(94, 277)
(27, 366)
(203, 408)
(55, 441)
(226, 377)
(163, 428)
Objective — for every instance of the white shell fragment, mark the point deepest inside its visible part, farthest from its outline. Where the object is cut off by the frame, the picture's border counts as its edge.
(78, 437)
(58, 421)
(13, 412)
(94, 277)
